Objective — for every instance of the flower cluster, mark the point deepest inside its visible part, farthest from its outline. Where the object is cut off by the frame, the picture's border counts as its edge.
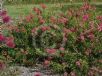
(8, 41)
(4, 16)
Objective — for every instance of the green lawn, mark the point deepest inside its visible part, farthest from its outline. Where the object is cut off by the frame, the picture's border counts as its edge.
(18, 10)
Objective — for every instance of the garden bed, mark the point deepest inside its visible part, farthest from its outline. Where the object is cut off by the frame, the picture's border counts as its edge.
(55, 40)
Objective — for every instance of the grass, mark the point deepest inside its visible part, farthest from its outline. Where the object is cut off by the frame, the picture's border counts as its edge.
(44, 1)
(22, 10)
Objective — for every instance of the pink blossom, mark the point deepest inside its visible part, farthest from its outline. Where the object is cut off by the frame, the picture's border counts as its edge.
(9, 39)
(33, 30)
(91, 36)
(3, 13)
(46, 62)
(2, 37)
(41, 21)
(66, 30)
(86, 6)
(62, 49)
(43, 6)
(51, 51)
(85, 17)
(37, 74)
(28, 18)
(37, 10)
(82, 37)
(99, 18)
(6, 19)
(44, 28)
(100, 27)
(78, 63)
(53, 19)
(73, 30)
(10, 44)
(91, 24)
(63, 20)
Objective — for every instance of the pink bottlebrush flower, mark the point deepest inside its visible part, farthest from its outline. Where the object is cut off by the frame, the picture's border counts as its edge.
(37, 10)
(51, 51)
(6, 19)
(28, 18)
(73, 29)
(82, 37)
(3, 13)
(100, 27)
(91, 24)
(44, 28)
(43, 6)
(9, 41)
(41, 21)
(61, 48)
(33, 30)
(86, 6)
(85, 17)
(37, 74)
(63, 20)
(65, 30)
(99, 18)
(2, 37)
(91, 36)
(10, 44)
(46, 62)
(53, 19)
(78, 63)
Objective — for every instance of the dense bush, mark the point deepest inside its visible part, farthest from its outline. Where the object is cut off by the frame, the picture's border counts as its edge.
(67, 42)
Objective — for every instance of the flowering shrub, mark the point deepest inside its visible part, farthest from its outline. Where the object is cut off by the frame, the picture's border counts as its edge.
(69, 42)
